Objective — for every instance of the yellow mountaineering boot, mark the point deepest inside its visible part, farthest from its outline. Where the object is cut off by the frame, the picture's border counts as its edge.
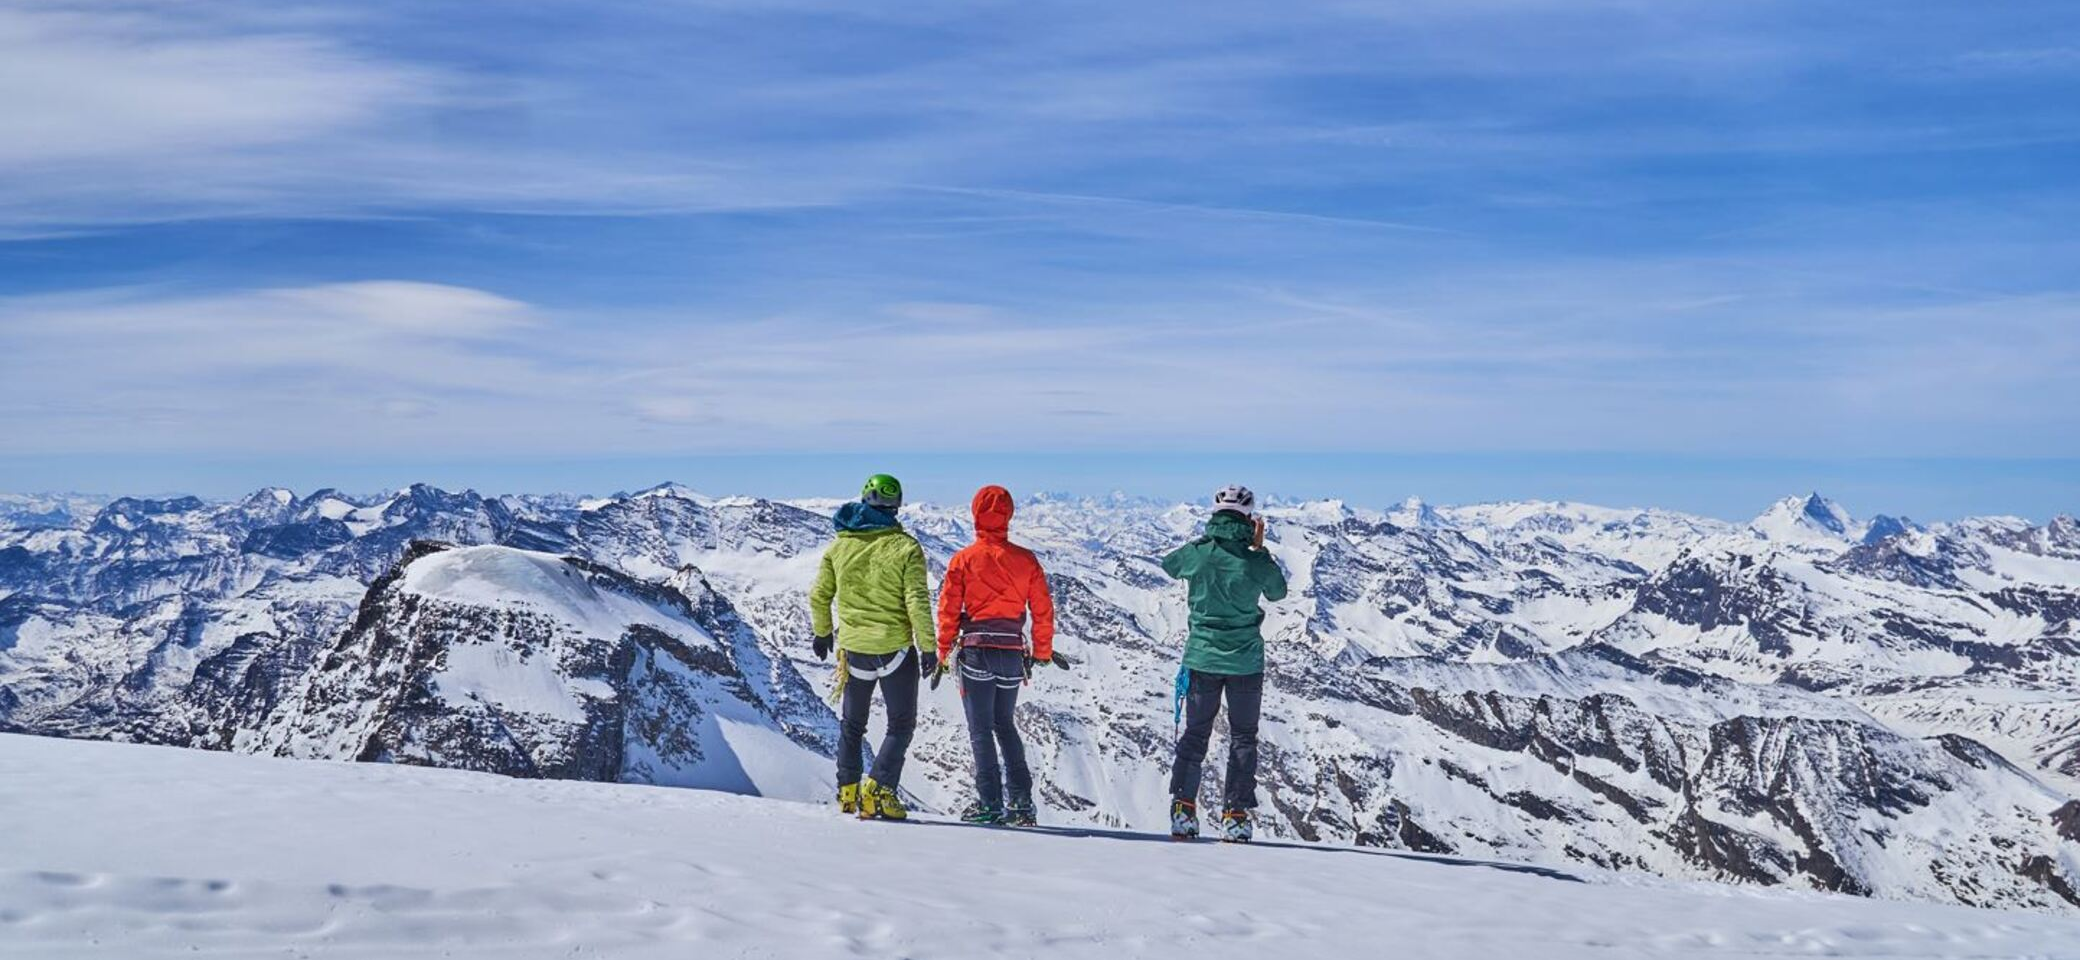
(877, 802)
(848, 798)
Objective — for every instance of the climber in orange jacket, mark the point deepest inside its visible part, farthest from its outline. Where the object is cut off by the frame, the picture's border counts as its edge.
(989, 588)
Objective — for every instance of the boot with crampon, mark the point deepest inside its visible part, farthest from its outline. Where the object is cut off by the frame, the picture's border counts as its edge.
(1184, 820)
(878, 802)
(1236, 827)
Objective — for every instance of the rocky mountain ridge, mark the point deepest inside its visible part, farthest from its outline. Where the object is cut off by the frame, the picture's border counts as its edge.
(1875, 707)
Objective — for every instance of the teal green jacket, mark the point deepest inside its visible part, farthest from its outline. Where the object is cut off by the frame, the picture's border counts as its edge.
(1227, 578)
(876, 572)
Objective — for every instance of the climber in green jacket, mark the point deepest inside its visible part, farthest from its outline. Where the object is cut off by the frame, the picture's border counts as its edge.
(884, 637)
(1228, 572)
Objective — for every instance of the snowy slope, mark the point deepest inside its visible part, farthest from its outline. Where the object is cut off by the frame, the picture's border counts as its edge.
(117, 852)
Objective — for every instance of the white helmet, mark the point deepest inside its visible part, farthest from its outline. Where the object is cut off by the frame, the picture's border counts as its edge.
(1237, 498)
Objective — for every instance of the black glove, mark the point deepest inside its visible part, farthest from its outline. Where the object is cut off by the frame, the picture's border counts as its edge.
(1056, 660)
(823, 645)
(1062, 661)
(927, 663)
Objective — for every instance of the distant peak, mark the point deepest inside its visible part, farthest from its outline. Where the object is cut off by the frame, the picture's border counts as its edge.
(1826, 513)
(1811, 518)
(1885, 527)
(2064, 531)
(1414, 511)
(669, 488)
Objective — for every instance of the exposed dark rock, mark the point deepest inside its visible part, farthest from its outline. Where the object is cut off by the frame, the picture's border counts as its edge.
(2067, 820)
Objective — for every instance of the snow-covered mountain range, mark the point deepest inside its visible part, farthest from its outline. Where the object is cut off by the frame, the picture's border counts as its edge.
(1880, 707)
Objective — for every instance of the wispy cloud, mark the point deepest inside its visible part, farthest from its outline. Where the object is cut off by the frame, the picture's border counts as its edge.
(1772, 227)
(141, 113)
(123, 114)
(87, 84)
(1595, 356)
(1191, 209)
(301, 366)
(2021, 60)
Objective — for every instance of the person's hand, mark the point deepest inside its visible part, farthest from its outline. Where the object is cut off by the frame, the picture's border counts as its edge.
(1257, 539)
(927, 663)
(823, 645)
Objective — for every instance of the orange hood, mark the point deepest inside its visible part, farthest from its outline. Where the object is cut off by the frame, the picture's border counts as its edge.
(992, 508)
(994, 584)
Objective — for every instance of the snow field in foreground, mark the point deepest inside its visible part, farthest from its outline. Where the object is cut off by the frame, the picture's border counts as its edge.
(120, 851)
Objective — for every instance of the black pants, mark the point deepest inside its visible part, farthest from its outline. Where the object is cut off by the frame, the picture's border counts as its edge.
(989, 691)
(898, 697)
(1202, 702)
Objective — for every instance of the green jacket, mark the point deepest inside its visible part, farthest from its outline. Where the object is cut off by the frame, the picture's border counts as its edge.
(876, 572)
(1226, 578)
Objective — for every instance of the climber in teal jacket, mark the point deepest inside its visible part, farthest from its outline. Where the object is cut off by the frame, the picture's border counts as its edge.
(1228, 573)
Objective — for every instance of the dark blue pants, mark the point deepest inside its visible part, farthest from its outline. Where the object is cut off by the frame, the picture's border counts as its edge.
(1202, 703)
(989, 691)
(898, 697)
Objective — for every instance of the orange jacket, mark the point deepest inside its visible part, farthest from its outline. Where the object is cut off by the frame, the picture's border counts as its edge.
(995, 579)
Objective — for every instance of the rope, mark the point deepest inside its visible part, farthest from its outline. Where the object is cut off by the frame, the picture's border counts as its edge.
(837, 694)
(1184, 689)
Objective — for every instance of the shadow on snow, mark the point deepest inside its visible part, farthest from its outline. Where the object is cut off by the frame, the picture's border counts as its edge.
(1100, 833)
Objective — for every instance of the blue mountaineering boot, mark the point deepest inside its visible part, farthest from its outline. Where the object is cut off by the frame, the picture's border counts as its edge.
(1235, 826)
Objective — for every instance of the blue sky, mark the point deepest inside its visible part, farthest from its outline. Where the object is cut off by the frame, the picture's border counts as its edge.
(1690, 254)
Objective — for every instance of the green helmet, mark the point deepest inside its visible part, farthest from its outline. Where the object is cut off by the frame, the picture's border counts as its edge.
(882, 491)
